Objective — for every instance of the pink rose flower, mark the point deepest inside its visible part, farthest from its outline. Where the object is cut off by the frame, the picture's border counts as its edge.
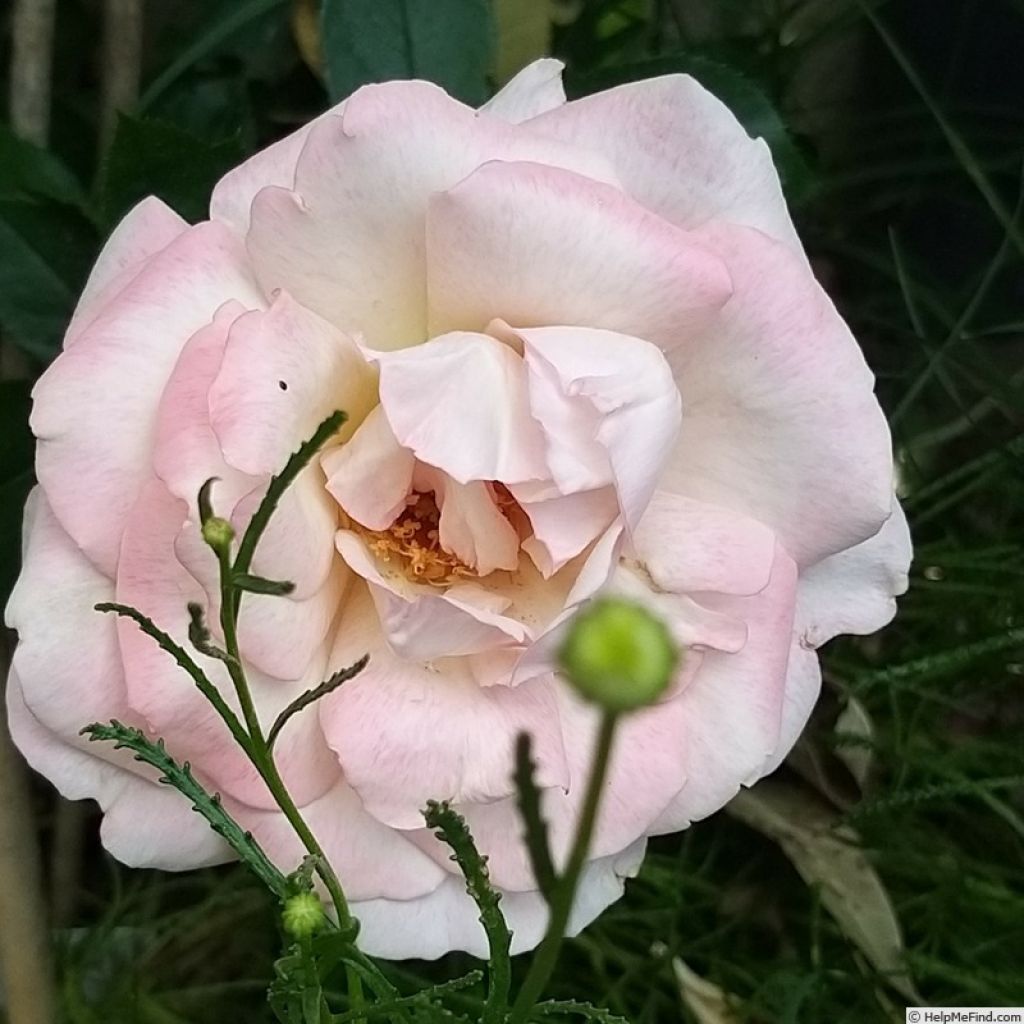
(582, 351)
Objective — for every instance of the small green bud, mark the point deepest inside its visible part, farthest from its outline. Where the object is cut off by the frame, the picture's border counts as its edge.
(218, 533)
(618, 655)
(303, 915)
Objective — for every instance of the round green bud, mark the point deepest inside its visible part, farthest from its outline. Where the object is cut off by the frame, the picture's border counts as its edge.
(218, 533)
(618, 655)
(303, 915)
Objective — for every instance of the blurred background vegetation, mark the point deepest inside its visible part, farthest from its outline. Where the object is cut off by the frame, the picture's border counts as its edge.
(885, 863)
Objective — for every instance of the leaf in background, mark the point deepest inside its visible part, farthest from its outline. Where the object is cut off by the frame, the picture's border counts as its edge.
(47, 250)
(706, 1002)
(524, 34)
(28, 172)
(742, 95)
(450, 42)
(855, 733)
(149, 157)
(827, 854)
(16, 476)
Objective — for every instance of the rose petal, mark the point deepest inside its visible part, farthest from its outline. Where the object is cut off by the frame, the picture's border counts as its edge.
(535, 245)
(371, 475)
(680, 151)
(284, 372)
(232, 197)
(424, 623)
(151, 579)
(534, 90)
(406, 733)
(145, 230)
(780, 421)
(734, 704)
(630, 388)
(376, 862)
(95, 410)
(688, 546)
(373, 171)
(855, 590)
(564, 525)
(448, 919)
(460, 404)
(145, 824)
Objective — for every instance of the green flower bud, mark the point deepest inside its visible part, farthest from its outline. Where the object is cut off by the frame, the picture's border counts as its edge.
(303, 915)
(618, 655)
(218, 533)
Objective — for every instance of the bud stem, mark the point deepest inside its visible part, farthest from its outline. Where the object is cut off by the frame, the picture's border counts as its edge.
(565, 890)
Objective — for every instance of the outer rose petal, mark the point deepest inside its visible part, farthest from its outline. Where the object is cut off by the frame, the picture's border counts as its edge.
(460, 403)
(680, 151)
(803, 685)
(145, 824)
(735, 701)
(52, 694)
(373, 171)
(374, 860)
(146, 229)
(855, 590)
(534, 90)
(535, 245)
(648, 768)
(95, 408)
(406, 733)
(233, 194)
(780, 419)
(448, 919)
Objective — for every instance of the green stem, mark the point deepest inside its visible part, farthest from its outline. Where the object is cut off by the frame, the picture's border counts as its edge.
(562, 900)
(262, 757)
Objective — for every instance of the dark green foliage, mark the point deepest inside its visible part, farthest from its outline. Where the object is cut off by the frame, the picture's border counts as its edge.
(151, 157)
(445, 41)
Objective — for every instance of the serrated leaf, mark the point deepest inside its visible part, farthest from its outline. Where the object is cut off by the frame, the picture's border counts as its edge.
(314, 694)
(180, 777)
(450, 42)
(828, 855)
(151, 157)
(260, 585)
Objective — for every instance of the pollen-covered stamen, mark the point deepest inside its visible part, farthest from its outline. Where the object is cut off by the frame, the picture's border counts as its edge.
(412, 543)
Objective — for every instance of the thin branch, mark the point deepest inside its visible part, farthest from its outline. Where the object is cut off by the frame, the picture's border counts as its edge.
(31, 64)
(122, 62)
(24, 944)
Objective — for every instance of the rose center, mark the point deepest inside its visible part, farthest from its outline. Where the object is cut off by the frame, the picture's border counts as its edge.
(412, 543)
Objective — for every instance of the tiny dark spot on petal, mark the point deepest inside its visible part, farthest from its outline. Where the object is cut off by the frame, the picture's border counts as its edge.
(282, 385)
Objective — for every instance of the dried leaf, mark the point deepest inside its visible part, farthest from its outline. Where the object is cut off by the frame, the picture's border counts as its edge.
(856, 733)
(706, 1002)
(828, 855)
